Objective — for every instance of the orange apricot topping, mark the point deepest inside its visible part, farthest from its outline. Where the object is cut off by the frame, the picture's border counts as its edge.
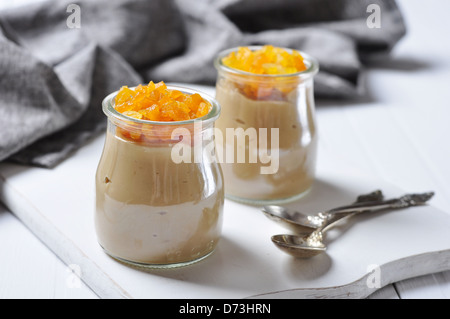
(155, 102)
(267, 60)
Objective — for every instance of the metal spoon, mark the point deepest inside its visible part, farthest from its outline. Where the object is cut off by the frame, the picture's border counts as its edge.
(300, 223)
(311, 244)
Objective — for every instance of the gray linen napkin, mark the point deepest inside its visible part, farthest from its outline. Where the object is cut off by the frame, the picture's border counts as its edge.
(53, 77)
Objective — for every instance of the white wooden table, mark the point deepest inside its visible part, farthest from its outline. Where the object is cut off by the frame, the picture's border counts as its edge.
(401, 133)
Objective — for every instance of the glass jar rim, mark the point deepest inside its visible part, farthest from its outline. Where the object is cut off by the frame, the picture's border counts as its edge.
(311, 63)
(212, 116)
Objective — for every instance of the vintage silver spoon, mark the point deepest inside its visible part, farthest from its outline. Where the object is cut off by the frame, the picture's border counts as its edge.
(307, 245)
(300, 223)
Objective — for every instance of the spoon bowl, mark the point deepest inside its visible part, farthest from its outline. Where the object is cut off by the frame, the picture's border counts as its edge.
(298, 246)
(293, 220)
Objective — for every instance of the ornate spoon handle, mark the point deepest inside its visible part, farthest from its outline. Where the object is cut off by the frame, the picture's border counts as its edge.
(404, 201)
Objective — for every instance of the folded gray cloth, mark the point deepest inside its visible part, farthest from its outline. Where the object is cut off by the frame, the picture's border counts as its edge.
(53, 78)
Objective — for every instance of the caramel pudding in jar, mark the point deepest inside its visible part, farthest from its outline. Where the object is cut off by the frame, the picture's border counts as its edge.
(152, 209)
(268, 88)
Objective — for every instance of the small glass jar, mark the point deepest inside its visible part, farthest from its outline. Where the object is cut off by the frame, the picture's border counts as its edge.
(273, 118)
(159, 189)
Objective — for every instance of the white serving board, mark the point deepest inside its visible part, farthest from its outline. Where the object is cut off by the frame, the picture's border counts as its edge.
(58, 206)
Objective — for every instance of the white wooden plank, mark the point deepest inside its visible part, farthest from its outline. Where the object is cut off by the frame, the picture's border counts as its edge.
(51, 235)
(434, 286)
(387, 292)
(443, 280)
(29, 269)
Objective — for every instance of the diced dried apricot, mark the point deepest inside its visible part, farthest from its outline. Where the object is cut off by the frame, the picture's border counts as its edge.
(155, 102)
(133, 114)
(267, 60)
(202, 110)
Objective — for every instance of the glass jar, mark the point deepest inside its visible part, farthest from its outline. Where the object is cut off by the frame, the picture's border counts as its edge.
(159, 189)
(270, 128)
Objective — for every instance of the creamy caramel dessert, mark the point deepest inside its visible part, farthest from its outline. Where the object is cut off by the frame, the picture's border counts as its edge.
(149, 210)
(262, 88)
